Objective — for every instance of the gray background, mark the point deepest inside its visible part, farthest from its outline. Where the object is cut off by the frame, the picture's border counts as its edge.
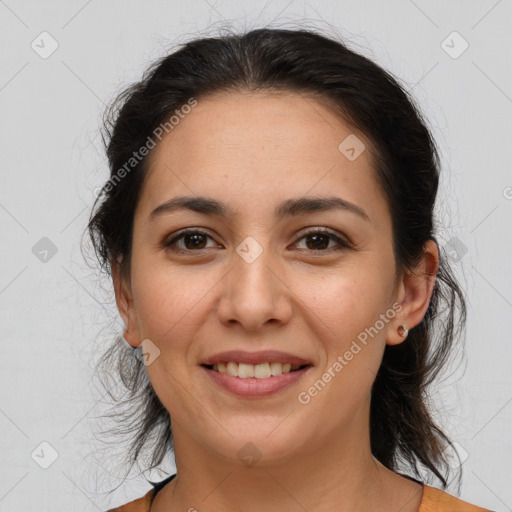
(57, 315)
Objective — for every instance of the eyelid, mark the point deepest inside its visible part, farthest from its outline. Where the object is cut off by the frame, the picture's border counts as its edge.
(342, 241)
(178, 235)
(323, 230)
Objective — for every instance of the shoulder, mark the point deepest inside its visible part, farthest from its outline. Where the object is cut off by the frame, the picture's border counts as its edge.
(143, 504)
(139, 505)
(435, 500)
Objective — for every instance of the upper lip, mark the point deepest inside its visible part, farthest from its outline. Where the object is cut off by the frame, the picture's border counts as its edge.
(263, 356)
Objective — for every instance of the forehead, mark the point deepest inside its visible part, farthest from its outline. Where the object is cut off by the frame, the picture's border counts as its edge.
(263, 145)
(281, 124)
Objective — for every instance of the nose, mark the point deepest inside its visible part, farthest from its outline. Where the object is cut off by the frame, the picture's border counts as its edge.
(255, 293)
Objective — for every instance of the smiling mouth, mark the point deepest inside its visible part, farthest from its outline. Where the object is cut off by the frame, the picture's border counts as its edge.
(258, 371)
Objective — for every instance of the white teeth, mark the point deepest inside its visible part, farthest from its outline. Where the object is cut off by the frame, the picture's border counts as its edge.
(260, 371)
(276, 368)
(232, 369)
(245, 370)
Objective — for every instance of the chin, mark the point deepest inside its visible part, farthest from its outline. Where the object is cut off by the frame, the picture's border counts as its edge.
(259, 444)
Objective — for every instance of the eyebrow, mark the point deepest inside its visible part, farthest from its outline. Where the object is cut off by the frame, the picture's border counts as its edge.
(288, 208)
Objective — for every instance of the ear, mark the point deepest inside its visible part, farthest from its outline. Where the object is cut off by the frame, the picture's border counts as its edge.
(414, 293)
(125, 305)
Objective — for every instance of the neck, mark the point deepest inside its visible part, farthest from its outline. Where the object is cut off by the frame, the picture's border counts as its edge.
(338, 474)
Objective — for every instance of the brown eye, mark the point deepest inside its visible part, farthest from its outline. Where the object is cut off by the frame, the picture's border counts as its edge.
(191, 239)
(196, 241)
(318, 240)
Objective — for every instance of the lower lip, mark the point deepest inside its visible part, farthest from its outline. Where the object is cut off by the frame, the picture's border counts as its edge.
(253, 387)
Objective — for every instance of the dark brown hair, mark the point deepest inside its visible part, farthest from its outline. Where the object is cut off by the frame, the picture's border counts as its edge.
(406, 164)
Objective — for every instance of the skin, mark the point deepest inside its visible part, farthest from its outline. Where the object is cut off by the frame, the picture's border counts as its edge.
(251, 151)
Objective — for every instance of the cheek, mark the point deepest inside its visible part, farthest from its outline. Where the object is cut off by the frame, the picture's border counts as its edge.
(170, 312)
(168, 301)
(345, 314)
(344, 302)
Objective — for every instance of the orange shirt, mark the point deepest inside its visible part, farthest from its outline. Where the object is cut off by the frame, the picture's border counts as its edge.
(433, 500)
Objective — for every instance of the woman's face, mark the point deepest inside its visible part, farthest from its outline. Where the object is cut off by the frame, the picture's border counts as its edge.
(253, 280)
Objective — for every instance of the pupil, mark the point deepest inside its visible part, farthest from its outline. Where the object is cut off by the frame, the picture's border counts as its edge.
(317, 245)
(197, 240)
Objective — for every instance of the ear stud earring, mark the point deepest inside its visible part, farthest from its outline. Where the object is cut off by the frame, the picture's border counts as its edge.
(402, 331)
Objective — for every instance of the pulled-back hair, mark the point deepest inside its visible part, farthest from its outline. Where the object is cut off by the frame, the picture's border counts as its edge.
(406, 165)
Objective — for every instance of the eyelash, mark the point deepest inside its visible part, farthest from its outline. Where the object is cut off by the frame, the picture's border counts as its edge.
(344, 244)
